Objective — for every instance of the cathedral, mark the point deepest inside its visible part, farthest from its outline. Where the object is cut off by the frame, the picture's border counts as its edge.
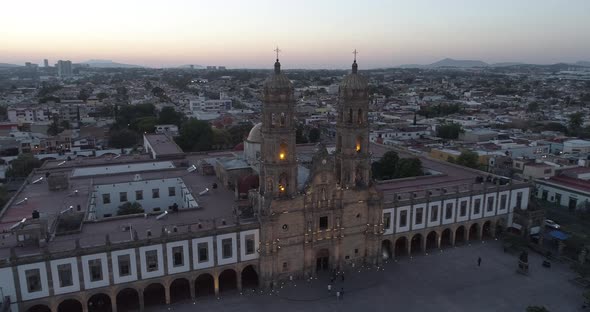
(334, 218)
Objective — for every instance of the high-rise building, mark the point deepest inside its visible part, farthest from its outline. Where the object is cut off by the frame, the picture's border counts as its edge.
(64, 68)
(46, 63)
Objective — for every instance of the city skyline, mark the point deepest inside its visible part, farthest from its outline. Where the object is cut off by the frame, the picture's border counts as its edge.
(240, 34)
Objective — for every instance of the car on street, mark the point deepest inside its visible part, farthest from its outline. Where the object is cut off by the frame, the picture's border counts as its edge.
(552, 224)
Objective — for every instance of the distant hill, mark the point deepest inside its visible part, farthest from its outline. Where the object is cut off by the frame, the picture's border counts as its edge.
(502, 64)
(583, 63)
(6, 65)
(189, 66)
(449, 62)
(108, 64)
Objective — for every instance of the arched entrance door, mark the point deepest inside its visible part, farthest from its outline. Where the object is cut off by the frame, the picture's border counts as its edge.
(401, 247)
(323, 260)
(416, 243)
(99, 303)
(39, 308)
(386, 249)
(70, 305)
(445, 238)
(228, 280)
(180, 290)
(431, 240)
(154, 295)
(128, 300)
(460, 235)
(249, 277)
(204, 285)
(474, 232)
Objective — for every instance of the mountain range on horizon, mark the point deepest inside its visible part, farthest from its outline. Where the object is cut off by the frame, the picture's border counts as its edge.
(446, 62)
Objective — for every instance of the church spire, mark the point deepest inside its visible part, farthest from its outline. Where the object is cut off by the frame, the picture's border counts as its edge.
(277, 64)
(354, 65)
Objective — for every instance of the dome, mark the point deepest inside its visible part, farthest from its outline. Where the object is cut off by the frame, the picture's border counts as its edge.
(354, 81)
(277, 82)
(255, 135)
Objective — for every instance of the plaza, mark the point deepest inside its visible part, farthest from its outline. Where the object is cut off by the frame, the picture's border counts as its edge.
(447, 280)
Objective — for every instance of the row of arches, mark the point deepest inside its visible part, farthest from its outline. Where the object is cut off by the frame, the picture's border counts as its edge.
(417, 243)
(154, 294)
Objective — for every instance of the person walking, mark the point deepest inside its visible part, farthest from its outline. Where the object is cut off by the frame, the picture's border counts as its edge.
(479, 261)
(342, 276)
(337, 296)
(342, 293)
(329, 288)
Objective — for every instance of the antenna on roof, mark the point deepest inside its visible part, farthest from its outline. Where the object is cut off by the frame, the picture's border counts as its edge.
(19, 223)
(162, 215)
(38, 180)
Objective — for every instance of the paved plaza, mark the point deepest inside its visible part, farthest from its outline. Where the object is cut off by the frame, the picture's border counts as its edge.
(440, 281)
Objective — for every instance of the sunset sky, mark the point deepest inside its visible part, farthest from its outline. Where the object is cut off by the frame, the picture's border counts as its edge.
(311, 33)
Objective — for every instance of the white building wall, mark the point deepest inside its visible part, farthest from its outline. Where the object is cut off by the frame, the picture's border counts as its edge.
(117, 278)
(390, 229)
(418, 224)
(436, 221)
(73, 262)
(211, 256)
(453, 203)
(143, 262)
(234, 253)
(243, 255)
(186, 264)
(8, 287)
(460, 201)
(487, 212)
(399, 228)
(86, 271)
(477, 214)
(24, 291)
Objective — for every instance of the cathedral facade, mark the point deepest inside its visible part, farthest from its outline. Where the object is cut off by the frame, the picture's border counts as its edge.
(334, 218)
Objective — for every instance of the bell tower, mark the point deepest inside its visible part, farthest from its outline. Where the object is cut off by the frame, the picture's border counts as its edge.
(352, 139)
(278, 173)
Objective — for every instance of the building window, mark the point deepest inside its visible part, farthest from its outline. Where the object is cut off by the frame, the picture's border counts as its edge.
(403, 218)
(503, 200)
(250, 244)
(323, 223)
(285, 266)
(177, 256)
(518, 199)
(433, 213)
(106, 198)
(476, 206)
(387, 220)
(203, 252)
(95, 266)
(122, 197)
(33, 280)
(138, 195)
(64, 272)
(226, 248)
(155, 193)
(449, 211)
(124, 265)
(171, 191)
(151, 259)
(359, 144)
(490, 206)
(463, 211)
(419, 213)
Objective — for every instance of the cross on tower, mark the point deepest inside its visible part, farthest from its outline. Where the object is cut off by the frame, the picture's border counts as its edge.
(355, 53)
(277, 50)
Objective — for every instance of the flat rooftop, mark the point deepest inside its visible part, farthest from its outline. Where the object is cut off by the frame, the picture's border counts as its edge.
(163, 145)
(135, 167)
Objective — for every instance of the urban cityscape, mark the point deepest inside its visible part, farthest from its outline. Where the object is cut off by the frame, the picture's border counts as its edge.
(338, 175)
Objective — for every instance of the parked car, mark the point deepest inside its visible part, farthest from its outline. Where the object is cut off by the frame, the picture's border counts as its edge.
(552, 224)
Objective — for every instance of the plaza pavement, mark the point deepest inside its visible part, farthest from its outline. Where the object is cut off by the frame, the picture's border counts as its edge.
(439, 281)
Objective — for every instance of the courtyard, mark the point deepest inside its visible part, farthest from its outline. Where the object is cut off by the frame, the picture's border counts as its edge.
(447, 280)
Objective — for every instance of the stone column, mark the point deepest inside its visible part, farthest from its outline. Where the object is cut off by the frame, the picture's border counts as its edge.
(192, 289)
(424, 242)
(216, 283)
(409, 247)
(141, 300)
(114, 303)
(438, 240)
(167, 293)
(239, 280)
(480, 232)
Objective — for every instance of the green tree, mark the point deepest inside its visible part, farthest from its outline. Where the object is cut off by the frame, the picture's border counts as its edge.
(221, 138)
(146, 124)
(102, 95)
(169, 116)
(195, 135)
(65, 124)
(300, 138)
(23, 165)
(449, 131)
(384, 169)
(129, 208)
(314, 135)
(408, 167)
(122, 138)
(239, 132)
(54, 127)
(468, 159)
(576, 121)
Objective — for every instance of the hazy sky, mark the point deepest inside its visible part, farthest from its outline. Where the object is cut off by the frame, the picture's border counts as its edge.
(311, 33)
